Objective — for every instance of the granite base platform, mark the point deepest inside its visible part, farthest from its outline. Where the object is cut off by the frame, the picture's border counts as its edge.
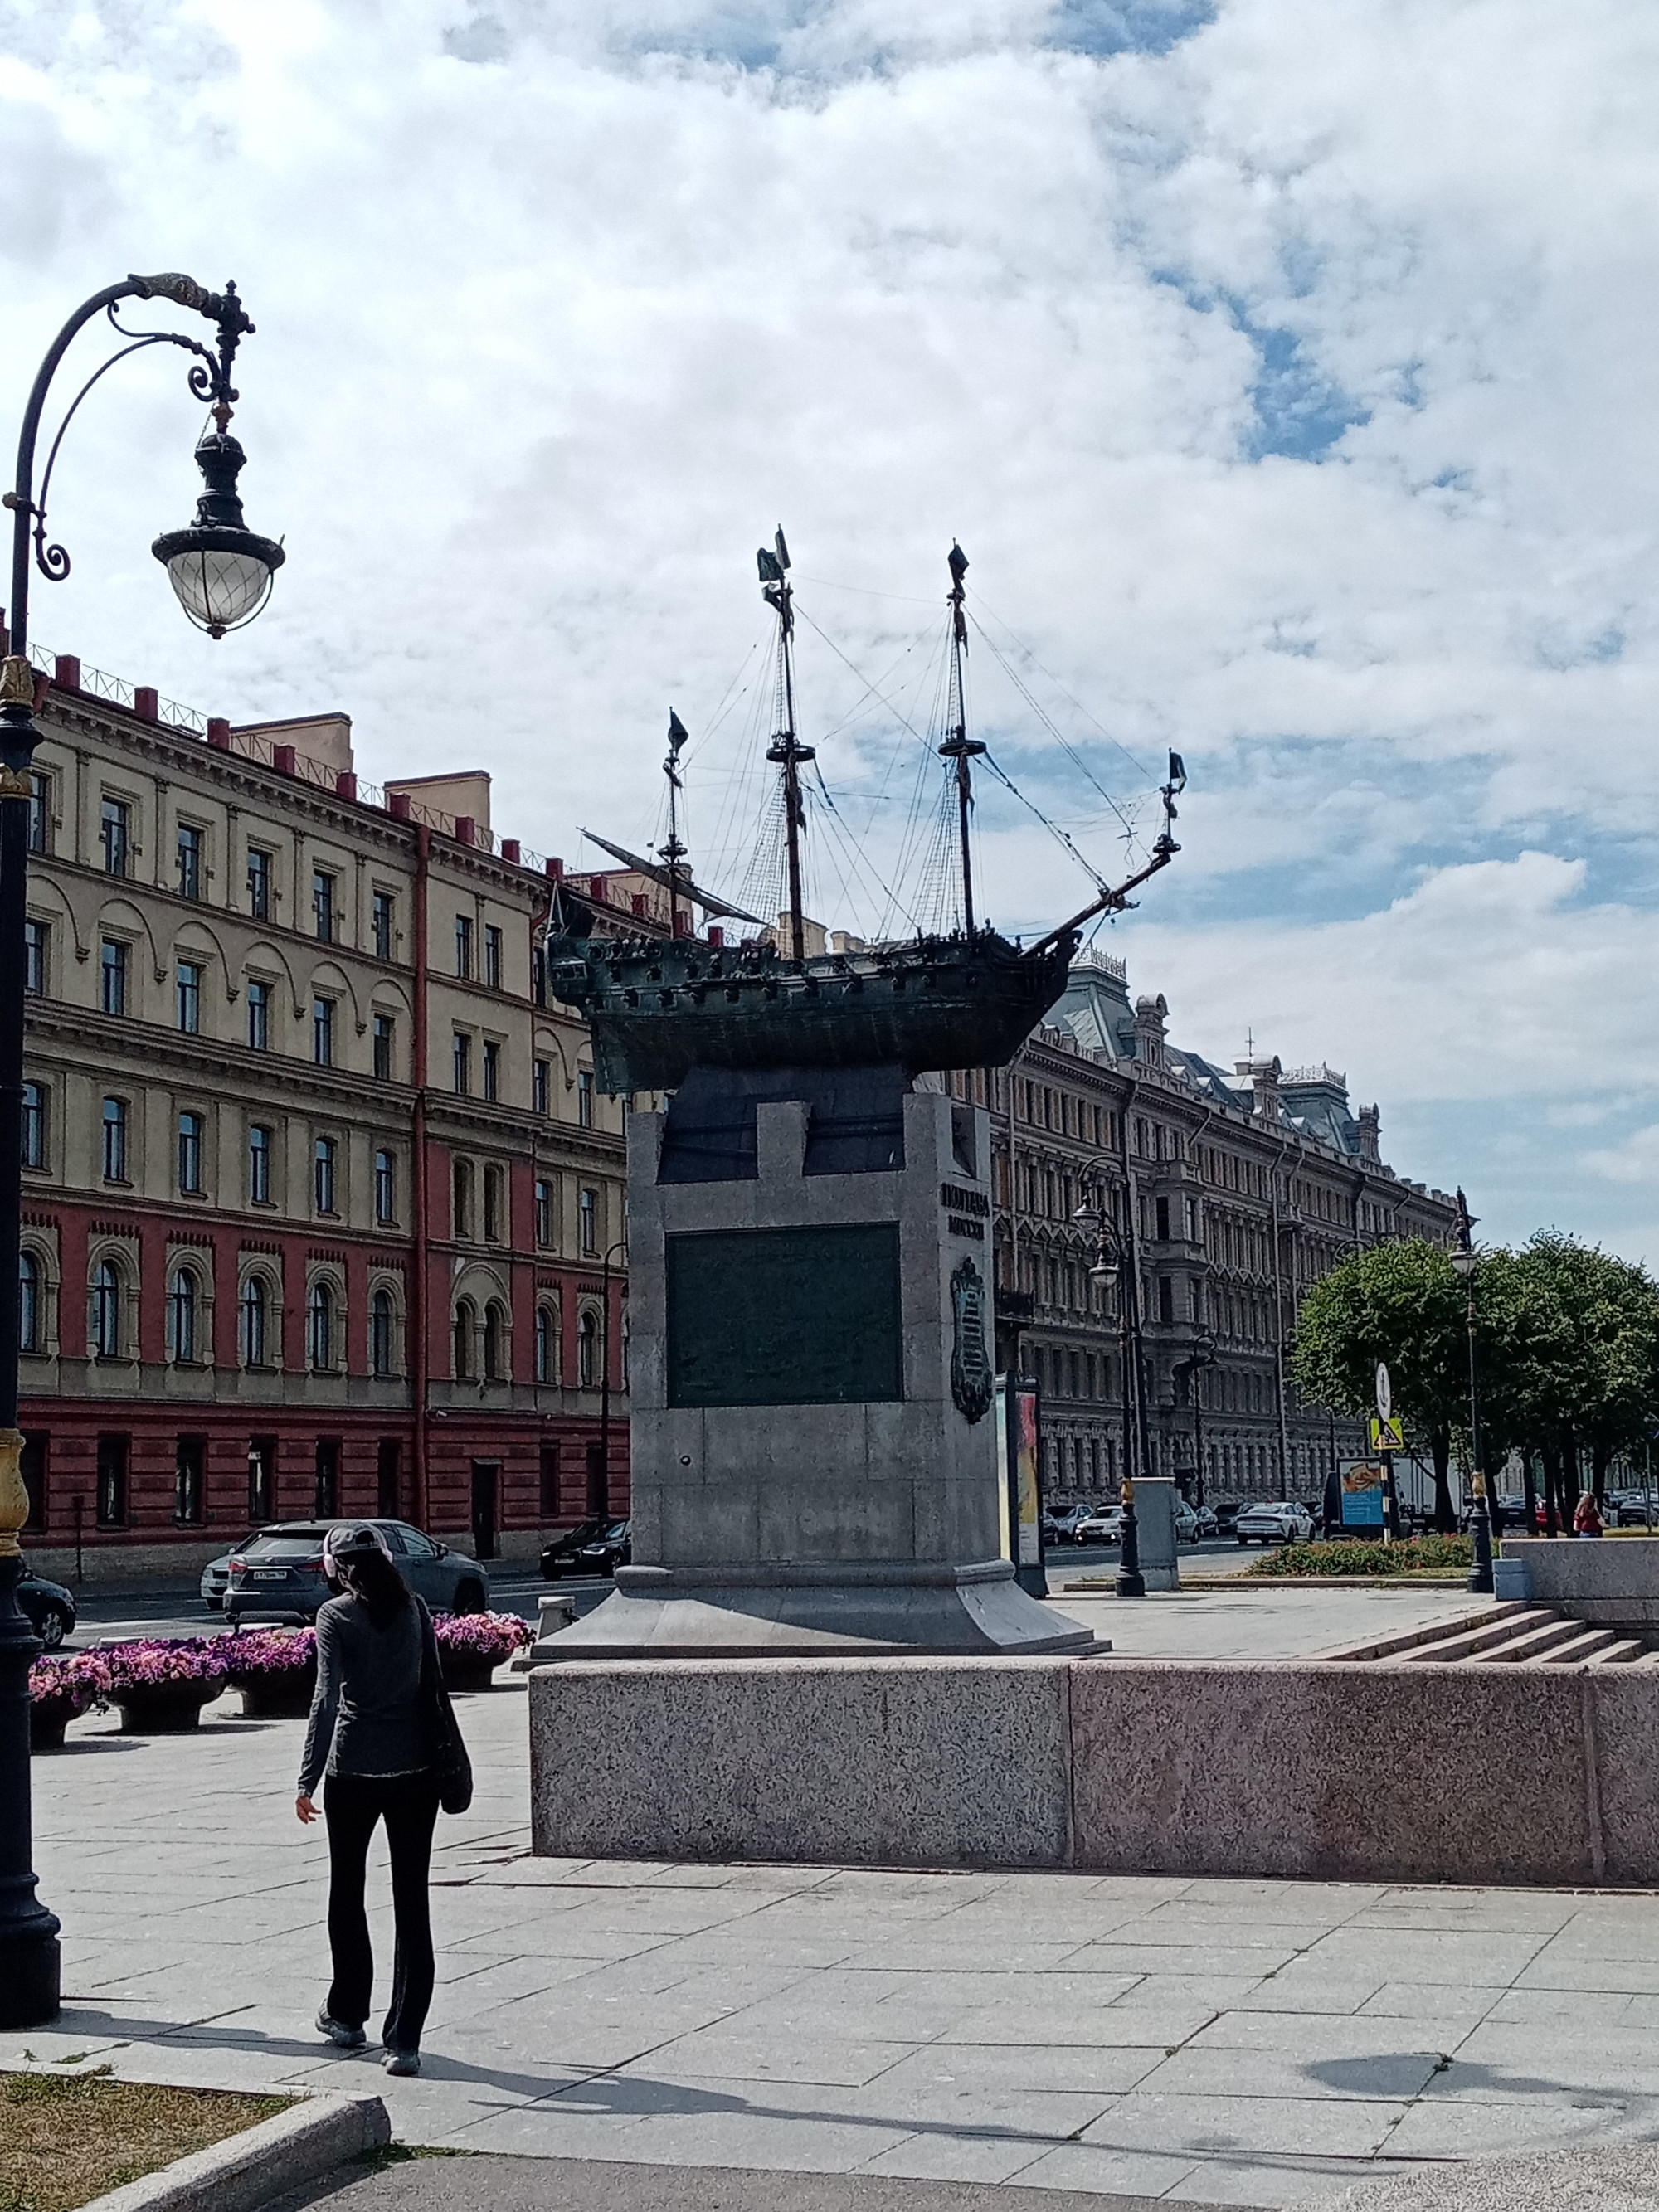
(1332, 1772)
(862, 1609)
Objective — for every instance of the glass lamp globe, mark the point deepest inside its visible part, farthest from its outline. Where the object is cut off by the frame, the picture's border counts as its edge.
(1464, 1260)
(221, 571)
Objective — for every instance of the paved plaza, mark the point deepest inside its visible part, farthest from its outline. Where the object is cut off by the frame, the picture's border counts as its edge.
(1212, 2042)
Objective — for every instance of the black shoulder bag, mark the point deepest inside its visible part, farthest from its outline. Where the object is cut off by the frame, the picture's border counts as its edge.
(446, 1751)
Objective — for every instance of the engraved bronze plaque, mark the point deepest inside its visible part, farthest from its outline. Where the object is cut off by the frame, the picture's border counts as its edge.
(785, 1317)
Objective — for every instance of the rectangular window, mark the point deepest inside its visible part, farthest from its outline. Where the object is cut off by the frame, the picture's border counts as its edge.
(36, 942)
(188, 997)
(258, 1166)
(191, 1128)
(492, 1204)
(464, 946)
(549, 1482)
(589, 1207)
(117, 818)
(463, 1063)
(387, 1500)
(189, 1467)
(386, 1190)
(322, 1032)
(111, 1505)
(584, 1098)
(322, 1178)
(40, 812)
(327, 1499)
(539, 1086)
(34, 1125)
(191, 843)
(322, 904)
(492, 1068)
(383, 1034)
(258, 883)
(543, 1211)
(259, 1015)
(113, 977)
(492, 974)
(115, 1141)
(382, 911)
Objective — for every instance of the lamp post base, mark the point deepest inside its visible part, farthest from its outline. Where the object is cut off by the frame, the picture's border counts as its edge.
(29, 1977)
(1131, 1582)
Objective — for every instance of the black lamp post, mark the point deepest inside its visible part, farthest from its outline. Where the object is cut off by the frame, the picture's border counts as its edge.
(1201, 1356)
(1467, 1261)
(605, 1377)
(1113, 1263)
(221, 574)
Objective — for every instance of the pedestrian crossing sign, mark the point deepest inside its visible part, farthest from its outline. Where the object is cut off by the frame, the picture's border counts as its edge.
(1387, 1435)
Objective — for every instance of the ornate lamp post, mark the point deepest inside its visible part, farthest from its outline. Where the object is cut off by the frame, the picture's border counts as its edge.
(611, 1250)
(221, 574)
(1113, 1263)
(1201, 1356)
(1467, 1261)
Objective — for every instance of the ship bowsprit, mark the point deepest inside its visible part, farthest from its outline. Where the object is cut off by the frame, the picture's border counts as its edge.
(657, 1010)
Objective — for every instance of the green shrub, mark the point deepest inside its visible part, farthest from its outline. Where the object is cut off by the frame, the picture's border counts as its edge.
(1417, 1555)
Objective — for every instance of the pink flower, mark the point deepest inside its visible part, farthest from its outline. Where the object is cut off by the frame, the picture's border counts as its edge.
(81, 1679)
(493, 1636)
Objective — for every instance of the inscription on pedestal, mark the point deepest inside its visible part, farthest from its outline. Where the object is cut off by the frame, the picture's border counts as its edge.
(784, 1317)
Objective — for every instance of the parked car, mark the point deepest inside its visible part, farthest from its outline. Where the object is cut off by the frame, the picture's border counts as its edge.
(612, 1548)
(1632, 1508)
(1274, 1523)
(1062, 1528)
(277, 1574)
(49, 1608)
(1103, 1527)
(1186, 1522)
(1226, 1516)
(215, 1576)
(1208, 1525)
(560, 1555)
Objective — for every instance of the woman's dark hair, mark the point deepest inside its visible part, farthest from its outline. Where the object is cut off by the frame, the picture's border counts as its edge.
(372, 1576)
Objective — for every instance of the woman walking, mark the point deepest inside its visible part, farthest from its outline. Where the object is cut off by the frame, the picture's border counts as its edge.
(372, 1728)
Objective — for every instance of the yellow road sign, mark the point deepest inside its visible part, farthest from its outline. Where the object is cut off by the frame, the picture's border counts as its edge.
(1387, 1436)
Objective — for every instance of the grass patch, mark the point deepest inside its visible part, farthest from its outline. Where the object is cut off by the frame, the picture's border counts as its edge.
(65, 2139)
(1417, 1555)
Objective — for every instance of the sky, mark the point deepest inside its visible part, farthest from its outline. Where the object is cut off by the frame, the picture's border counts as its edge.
(1283, 366)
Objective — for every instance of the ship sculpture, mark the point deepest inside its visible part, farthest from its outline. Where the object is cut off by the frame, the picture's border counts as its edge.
(660, 1006)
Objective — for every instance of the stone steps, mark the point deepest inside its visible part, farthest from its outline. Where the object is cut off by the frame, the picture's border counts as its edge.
(1508, 1635)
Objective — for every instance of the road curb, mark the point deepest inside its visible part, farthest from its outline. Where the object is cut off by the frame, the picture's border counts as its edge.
(246, 2171)
(1192, 1586)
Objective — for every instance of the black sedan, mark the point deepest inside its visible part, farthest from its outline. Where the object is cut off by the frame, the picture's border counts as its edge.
(560, 1554)
(612, 1548)
(48, 1607)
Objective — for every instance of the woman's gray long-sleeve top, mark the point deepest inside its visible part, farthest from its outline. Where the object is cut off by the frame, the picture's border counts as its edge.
(367, 1716)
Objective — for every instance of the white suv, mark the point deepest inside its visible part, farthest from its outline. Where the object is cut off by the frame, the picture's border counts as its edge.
(1286, 1523)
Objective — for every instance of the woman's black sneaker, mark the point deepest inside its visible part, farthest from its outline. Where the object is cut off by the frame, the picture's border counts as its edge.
(341, 2036)
(402, 2062)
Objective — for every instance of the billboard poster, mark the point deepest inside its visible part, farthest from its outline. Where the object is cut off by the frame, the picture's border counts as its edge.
(1025, 1477)
(1362, 1494)
(1005, 1496)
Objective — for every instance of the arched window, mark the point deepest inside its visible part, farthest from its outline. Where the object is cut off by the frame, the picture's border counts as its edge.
(492, 1342)
(181, 1315)
(104, 1314)
(587, 1350)
(320, 1324)
(465, 1326)
(547, 1345)
(381, 1315)
(255, 1308)
(30, 1302)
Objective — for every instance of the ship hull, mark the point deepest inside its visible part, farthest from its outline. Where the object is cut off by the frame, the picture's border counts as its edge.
(657, 1009)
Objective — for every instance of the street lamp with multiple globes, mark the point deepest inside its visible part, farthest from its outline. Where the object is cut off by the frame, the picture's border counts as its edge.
(1114, 1263)
(1201, 1356)
(221, 572)
(1466, 1260)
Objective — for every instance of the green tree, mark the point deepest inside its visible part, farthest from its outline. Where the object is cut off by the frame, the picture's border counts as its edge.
(1401, 1303)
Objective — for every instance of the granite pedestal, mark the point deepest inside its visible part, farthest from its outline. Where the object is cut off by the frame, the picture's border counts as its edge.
(1155, 1532)
(814, 1465)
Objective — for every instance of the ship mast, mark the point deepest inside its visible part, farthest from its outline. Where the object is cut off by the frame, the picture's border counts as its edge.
(673, 852)
(785, 749)
(958, 746)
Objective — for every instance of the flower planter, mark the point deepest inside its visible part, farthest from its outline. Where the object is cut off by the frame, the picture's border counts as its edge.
(472, 1645)
(275, 1669)
(48, 1718)
(163, 1708)
(276, 1697)
(467, 1670)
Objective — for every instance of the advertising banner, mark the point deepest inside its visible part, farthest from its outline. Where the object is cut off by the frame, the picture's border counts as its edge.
(1362, 1495)
(1025, 1478)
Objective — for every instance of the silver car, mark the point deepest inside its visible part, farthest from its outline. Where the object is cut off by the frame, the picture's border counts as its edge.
(277, 1574)
(1274, 1523)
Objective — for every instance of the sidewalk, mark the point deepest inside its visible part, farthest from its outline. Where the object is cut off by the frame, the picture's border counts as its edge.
(1212, 2042)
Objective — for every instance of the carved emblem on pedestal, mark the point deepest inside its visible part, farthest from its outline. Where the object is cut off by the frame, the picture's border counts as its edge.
(972, 1383)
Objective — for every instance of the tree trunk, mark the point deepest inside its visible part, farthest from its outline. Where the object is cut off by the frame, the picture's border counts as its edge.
(1600, 1460)
(1445, 1514)
(1552, 1458)
(1572, 1479)
(1529, 1490)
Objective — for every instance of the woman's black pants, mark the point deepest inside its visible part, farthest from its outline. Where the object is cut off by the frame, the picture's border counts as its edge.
(408, 1803)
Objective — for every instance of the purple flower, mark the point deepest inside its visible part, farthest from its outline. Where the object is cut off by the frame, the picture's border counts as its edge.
(153, 1662)
(265, 1654)
(81, 1679)
(492, 1636)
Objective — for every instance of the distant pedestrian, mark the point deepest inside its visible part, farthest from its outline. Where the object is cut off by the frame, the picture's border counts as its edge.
(1587, 1521)
(376, 1721)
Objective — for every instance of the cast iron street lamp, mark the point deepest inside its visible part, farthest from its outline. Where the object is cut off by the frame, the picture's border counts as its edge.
(221, 574)
(1466, 1260)
(1114, 1263)
(621, 1245)
(1201, 1356)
